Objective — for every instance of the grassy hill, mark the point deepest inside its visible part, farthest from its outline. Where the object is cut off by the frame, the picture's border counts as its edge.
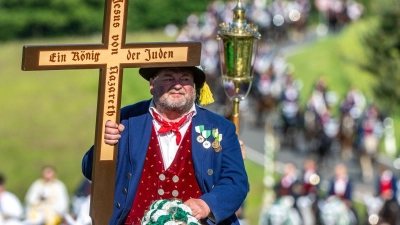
(334, 57)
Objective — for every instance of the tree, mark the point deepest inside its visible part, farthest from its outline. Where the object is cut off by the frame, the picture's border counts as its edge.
(382, 47)
(38, 18)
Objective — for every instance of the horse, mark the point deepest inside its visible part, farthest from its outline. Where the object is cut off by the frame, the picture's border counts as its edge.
(371, 131)
(346, 134)
(334, 211)
(282, 212)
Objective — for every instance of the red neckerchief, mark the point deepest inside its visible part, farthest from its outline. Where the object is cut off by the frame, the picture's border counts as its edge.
(170, 126)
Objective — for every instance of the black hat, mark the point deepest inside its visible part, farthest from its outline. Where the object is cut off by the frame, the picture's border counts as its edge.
(198, 74)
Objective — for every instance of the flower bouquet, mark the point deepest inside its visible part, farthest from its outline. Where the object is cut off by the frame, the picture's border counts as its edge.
(169, 212)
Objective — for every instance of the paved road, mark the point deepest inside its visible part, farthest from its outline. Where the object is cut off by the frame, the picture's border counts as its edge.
(254, 139)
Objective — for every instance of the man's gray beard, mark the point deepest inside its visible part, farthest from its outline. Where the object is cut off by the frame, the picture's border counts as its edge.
(180, 107)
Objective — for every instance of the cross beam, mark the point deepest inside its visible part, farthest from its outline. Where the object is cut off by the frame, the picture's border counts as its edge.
(111, 57)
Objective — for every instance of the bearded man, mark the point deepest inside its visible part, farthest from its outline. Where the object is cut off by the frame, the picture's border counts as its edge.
(171, 148)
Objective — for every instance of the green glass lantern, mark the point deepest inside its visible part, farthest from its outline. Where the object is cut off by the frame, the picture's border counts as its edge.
(238, 49)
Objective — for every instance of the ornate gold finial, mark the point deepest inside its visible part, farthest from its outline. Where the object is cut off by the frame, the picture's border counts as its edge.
(239, 26)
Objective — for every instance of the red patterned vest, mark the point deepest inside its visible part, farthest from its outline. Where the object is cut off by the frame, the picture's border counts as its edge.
(177, 182)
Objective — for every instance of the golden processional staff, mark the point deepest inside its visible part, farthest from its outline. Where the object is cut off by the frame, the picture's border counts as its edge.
(237, 56)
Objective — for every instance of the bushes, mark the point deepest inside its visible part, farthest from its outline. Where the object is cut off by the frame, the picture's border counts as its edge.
(36, 18)
(382, 48)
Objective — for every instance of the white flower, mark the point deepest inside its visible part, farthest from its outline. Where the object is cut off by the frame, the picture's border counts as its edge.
(192, 219)
(155, 204)
(169, 205)
(172, 223)
(186, 208)
(168, 208)
(157, 215)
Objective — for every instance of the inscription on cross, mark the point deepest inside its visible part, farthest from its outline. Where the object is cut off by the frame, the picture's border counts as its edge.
(111, 57)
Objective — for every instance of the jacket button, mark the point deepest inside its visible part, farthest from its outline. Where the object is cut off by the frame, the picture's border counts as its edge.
(118, 205)
(128, 175)
(210, 172)
(125, 191)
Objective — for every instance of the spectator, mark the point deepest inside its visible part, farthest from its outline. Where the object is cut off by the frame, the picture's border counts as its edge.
(342, 187)
(341, 184)
(11, 209)
(387, 189)
(311, 177)
(46, 199)
(386, 184)
(289, 184)
(83, 217)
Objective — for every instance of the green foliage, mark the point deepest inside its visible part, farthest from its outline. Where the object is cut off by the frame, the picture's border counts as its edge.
(382, 48)
(155, 13)
(31, 18)
(51, 18)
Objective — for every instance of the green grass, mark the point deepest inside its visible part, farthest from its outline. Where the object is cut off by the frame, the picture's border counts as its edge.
(334, 58)
(253, 203)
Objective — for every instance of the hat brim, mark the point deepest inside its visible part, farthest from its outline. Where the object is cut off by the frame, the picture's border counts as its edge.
(198, 74)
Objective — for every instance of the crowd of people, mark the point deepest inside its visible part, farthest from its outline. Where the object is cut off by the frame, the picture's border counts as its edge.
(46, 202)
(310, 198)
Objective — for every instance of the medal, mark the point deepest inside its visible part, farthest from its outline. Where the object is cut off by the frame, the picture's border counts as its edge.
(215, 144)
(199, 129)
(200, 139)
(206, 144)
(217, 140)
(204, 134)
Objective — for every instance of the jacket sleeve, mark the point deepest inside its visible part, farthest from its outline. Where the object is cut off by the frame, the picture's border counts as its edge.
(87, 163)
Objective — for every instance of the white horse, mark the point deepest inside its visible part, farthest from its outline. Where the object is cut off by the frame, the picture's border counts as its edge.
(334, 211)
(282, 212)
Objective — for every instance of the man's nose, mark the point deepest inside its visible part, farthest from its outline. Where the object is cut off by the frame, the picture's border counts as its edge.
(177, 82)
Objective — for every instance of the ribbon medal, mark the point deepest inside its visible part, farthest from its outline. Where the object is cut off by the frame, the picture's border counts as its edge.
(206, 134)
(217, 140)
(200, 129)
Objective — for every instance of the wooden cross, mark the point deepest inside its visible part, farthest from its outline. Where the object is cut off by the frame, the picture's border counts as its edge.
(111, 56)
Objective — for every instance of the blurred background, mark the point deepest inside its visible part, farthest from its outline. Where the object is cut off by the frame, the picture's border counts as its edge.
(324, 94)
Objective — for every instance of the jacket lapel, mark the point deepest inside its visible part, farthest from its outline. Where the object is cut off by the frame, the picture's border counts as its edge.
(199, 152)
(139, 139)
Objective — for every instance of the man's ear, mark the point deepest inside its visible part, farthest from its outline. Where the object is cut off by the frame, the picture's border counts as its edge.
(151, 85)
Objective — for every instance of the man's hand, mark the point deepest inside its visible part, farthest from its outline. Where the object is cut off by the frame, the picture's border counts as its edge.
(112, 132)
(200, 209)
